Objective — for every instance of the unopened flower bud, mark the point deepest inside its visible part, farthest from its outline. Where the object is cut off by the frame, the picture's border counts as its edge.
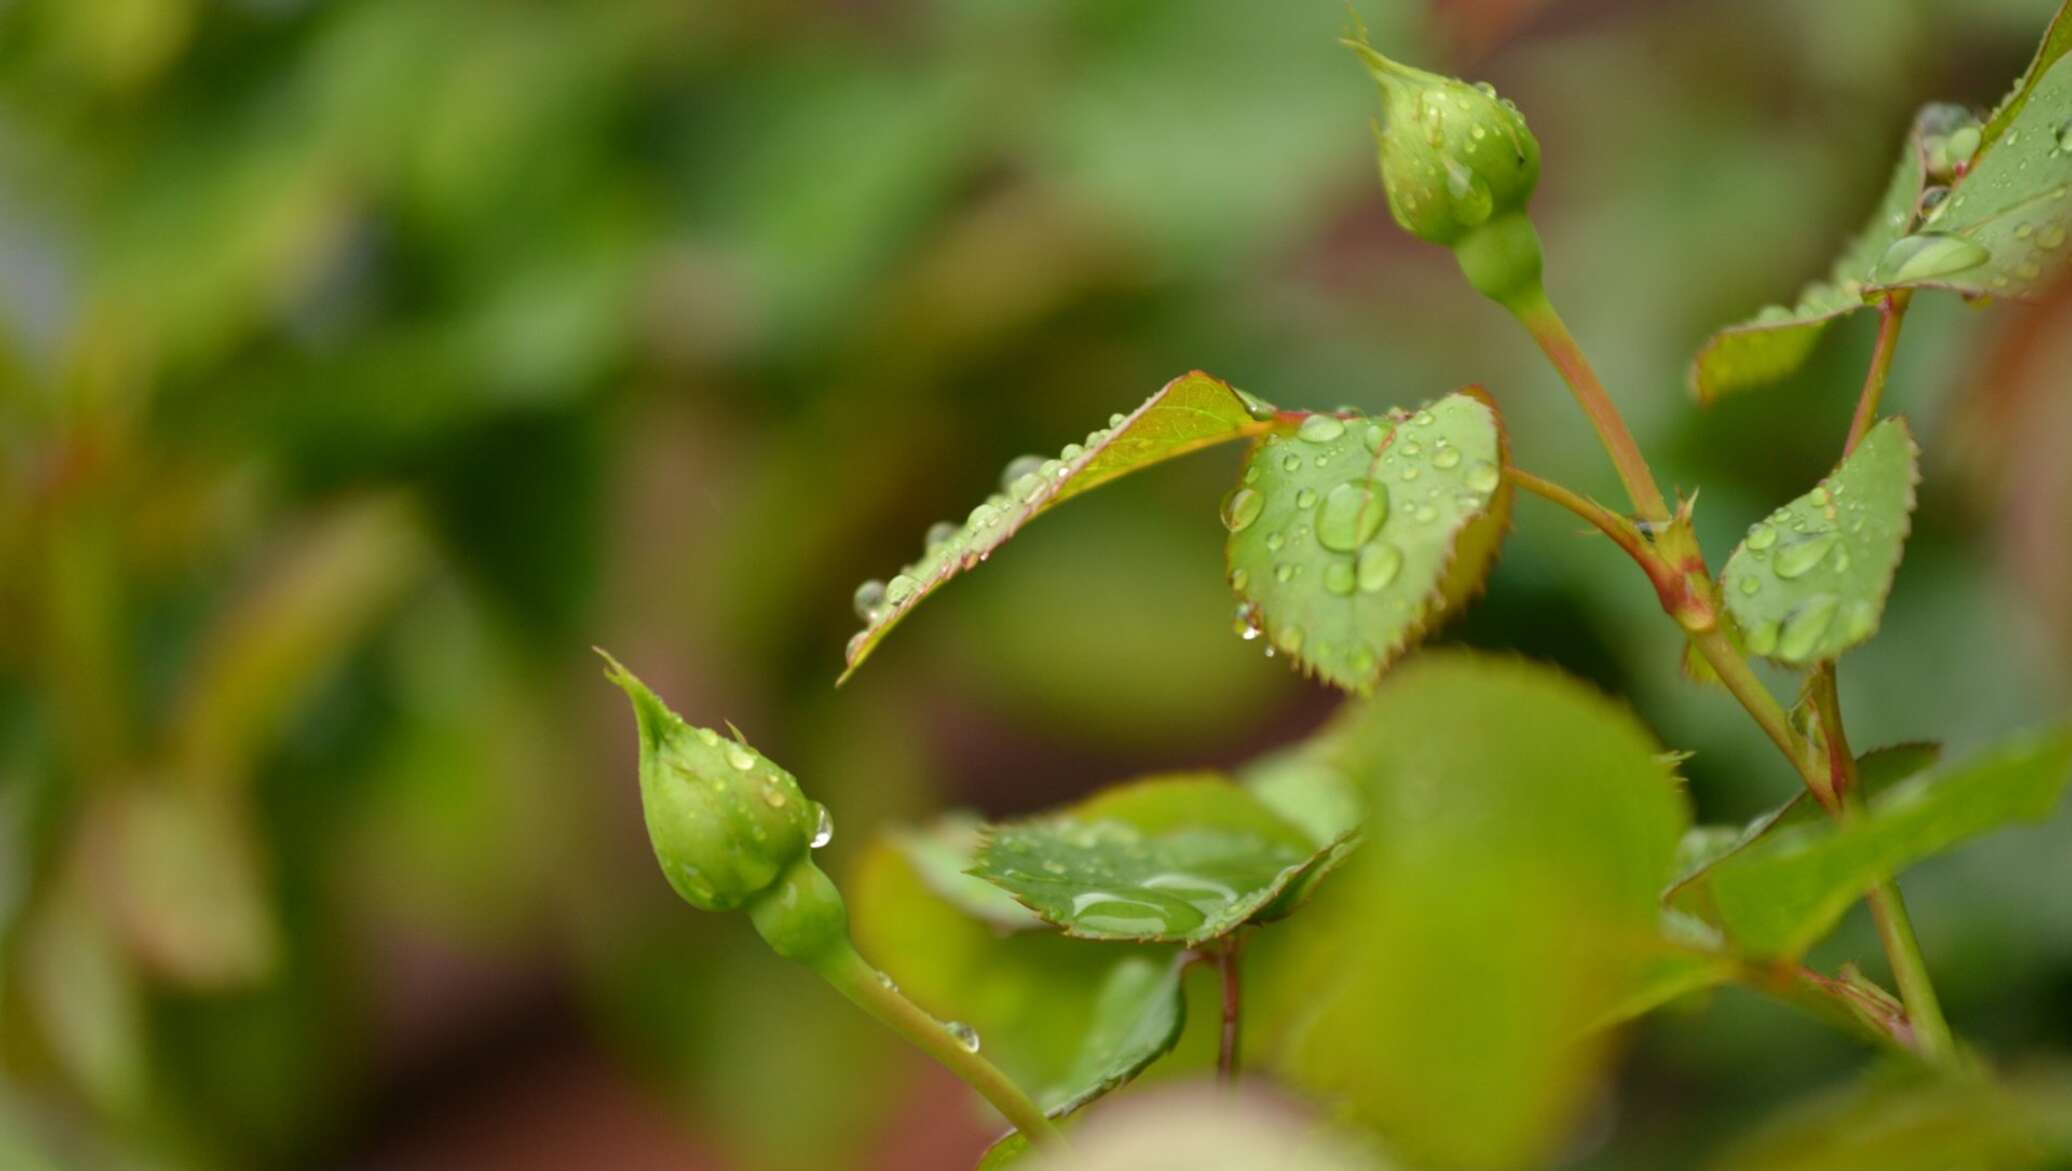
(726, 823)
(1454, 156)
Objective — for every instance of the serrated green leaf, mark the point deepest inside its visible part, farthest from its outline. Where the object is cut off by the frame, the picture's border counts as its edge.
(2017, 1123)
(1782, 894)
(941, 854)
(1777, 341)
(1189, 413)
(1171, 859)
(189, 892)
(1810, 581)
(1351, 536)
(2002, 232)
(1706, 846)
(1685, 959)
(1068, 1021)
(1516, 821)
(2056, 43)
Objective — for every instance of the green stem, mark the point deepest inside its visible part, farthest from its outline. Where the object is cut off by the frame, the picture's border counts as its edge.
(1611, 524)
(1233, 1005)
(1892, 312)
(1740, 680)
(1536, 313)
(867, 988)
(1889, 909)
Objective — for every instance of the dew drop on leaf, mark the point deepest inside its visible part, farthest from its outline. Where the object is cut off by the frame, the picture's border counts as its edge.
(965, 1036)
(1927, 256)
(1338, 577)
(1351, 514)
(869, 599)
(1802, 631)
(899, 589)
(823, 829)
(1321, 428)
(1799, 559)
(1378, 565)
(1241, 508)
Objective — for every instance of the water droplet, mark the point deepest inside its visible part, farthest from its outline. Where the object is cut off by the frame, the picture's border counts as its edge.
(1338, 577)
(1246, 621)
(1285, 572)
(1411, 447)
(1797, 560)
(1446, 457)
(1241, 508)
(1803, 630)
(869, 599)
(940, 533)
(1422, 418)
(1927, 256)
(1026, 487)
(823, 829)
(772, 796)
(1274, 541)
(1761, 536)
(708, 737)
(1291, 463)
(899, 589)
(1483, 477)
(1017, 468)
(1070, 452)
(1487, 90)
(2065, 137)
(1351, 514)
(885, 981)
(965, 1035)
(1251, 473)
(1321, 428)
(2051, 237)
(1862, 622)
(1306, 498)
(1378, 565)
(1239, 579)
(1749, 584)
(1376, 436)
(1115, 420)
(1841, 558)
(1409, 473)
(740, 757)
(1424, 514)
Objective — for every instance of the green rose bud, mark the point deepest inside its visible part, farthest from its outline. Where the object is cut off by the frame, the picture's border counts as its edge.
(726, 823)
(1454, 157)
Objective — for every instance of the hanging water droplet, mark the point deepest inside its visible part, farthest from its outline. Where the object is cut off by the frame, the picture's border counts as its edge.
(1483, 477)
(1321, 428)
(1803, 630)
(869, 599)
(1241, 508)
(1795, 561)
(1246, 621)
(1378, 565)
(1927, 256)
(899, 589)
(1351, 514)
(940, 533)
(823, 829)
(965, 1035)
(1018, 468)
(1761, 536)
(1338, 577)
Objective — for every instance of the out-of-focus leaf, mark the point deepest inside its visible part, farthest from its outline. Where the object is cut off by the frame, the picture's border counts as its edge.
(1199, 1129)
(1516, 822)
(1684, 960)
(1780, 895)
(1705, 846)
(1067, 1020)
(2017, 1123)
(1810, 580)
(1778, 340)
(276, 642)
(2002, 232)
(1189, 413)
(941, 854)
(1171, 859)
(1349, 537)
(82, 994)
(1305, 786)
(188, 891)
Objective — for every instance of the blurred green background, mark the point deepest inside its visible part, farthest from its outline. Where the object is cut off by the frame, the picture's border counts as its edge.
(363, 363)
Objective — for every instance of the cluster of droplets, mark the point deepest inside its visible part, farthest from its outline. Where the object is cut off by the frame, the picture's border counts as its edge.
(1347, 520)
(1794, 549)
(949, 546)
(1930, 255)
(1119, 883)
